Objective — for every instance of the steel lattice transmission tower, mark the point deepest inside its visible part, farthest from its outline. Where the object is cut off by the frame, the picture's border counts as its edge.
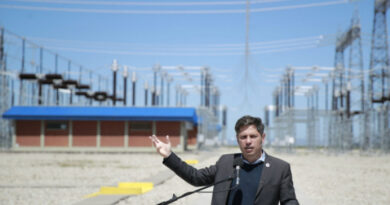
(337, 97)
(379, 61)
(5, 131)
(348, 86)
(356, 100)
(379, 88)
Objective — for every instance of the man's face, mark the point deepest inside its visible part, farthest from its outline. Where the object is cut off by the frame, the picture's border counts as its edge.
(250, 142)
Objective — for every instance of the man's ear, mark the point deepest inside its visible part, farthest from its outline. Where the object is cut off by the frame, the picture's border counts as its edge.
(262, 138)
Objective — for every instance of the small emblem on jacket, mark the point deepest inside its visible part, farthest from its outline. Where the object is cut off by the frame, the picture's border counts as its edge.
(267, 164)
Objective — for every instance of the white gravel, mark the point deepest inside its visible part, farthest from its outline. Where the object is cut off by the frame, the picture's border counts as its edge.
(64, 178)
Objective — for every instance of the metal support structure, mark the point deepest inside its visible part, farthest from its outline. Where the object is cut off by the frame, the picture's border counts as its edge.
(359, 117)
(134, 82)
(379, 85)
(114, 68)
(202, 87)
(207, 89)
(5, 126)
(71, 89)
(156, 69)
(348, 89)
(169, 81)
(163, 75)
(21, 86)
(146, 93)
(125, 74)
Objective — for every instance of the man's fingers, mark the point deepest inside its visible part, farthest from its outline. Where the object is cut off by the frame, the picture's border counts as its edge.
(154, 138)
(156, 141)
(151, 138)
(153, 142)
(168, 141)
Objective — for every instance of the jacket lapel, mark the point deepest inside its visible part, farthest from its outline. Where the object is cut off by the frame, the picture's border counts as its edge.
(266, 173)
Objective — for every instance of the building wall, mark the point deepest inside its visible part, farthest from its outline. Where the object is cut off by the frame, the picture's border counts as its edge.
(169, 128)
(58, 137)
(112, 133)
(84, 133)
(191, 140)
(140, 138)
(28, 133)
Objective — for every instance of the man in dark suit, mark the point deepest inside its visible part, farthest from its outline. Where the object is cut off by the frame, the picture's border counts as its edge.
(264, 179)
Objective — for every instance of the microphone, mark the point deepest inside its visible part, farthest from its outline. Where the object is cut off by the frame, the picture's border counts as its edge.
(238, 163)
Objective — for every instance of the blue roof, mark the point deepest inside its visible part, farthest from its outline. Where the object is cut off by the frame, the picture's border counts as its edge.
(101, 113)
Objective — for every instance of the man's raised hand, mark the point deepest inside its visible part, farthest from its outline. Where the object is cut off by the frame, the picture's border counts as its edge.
(164, 149)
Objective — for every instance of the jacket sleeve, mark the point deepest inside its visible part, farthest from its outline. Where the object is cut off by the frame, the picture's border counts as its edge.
(196, 177)
(287, 192)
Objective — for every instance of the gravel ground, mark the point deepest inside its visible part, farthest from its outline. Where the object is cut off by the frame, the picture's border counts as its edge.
(64, 178)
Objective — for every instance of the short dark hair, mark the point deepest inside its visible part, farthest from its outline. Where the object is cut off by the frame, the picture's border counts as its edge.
(249, 120)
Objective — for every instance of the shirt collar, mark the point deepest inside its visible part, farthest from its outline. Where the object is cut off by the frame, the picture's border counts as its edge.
(261, 159)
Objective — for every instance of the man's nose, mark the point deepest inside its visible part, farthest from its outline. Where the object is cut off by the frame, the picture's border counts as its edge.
(248, 140)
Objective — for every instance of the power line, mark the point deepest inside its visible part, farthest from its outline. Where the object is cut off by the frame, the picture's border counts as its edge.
(148, 53)
(319, 37)
(122, 3)
(210, 47)
(279, 8)
(289, 46)
(220, 11)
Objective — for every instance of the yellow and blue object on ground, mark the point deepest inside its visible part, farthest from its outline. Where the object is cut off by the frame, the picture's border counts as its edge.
(124, 188)
(130, 188)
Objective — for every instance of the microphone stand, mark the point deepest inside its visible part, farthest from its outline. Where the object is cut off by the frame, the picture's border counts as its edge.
(174, 197)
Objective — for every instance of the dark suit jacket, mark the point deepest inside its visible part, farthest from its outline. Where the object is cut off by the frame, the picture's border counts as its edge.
(276, 184)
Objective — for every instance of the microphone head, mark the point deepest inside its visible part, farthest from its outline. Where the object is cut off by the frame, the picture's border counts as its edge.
(238, 162)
